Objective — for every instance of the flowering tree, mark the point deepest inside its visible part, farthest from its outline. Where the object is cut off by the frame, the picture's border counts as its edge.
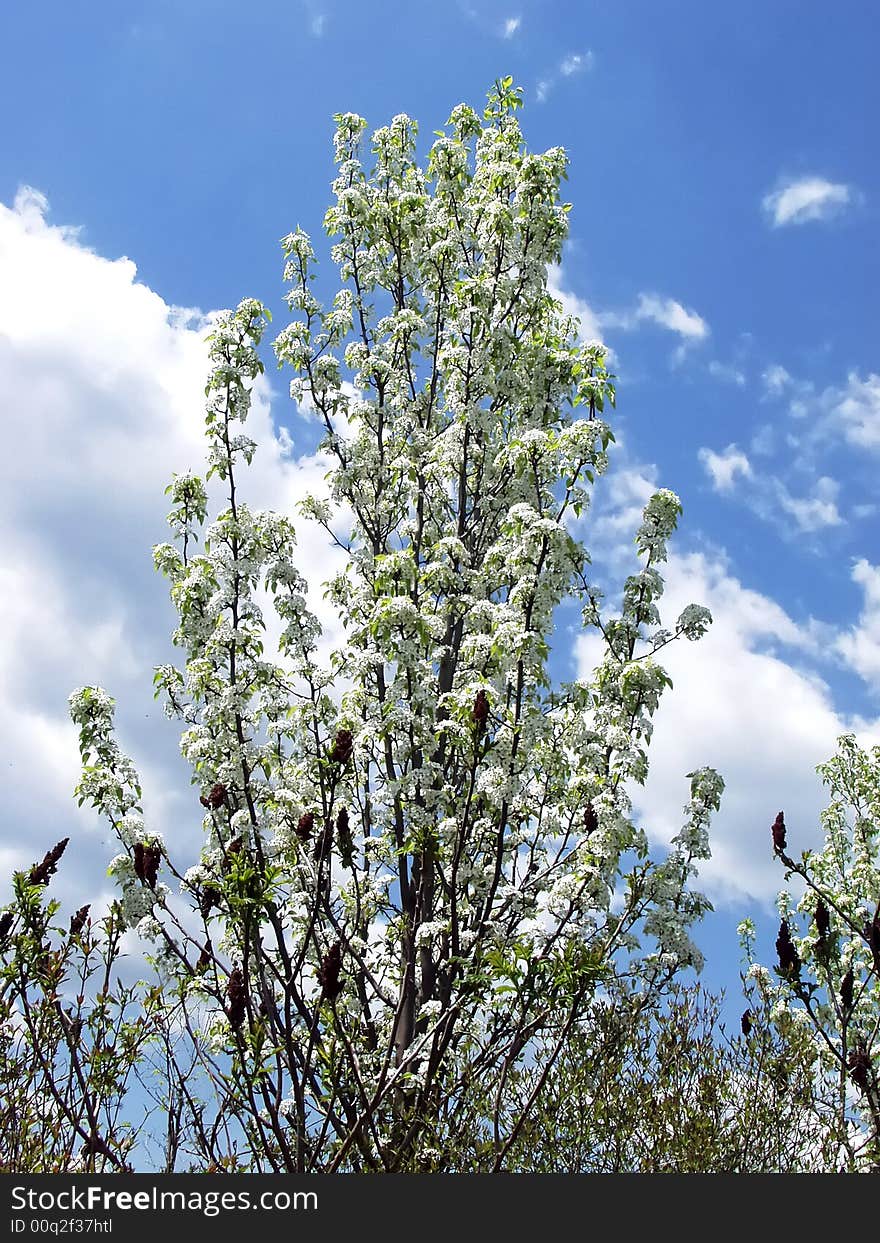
(827, 979)
(420, 866)
(71, 1033)
(656, 1085)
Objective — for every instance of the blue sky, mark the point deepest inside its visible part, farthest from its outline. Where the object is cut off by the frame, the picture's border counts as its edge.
(724, 233)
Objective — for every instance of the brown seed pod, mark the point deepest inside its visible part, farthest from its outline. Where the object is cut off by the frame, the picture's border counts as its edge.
(215, 797)
(871, 933)
(209, 899)
(343, 745)
(40, 872)
(152, 857)
(343, 836)
(480, 710)
(328, 972)
(235, 996)
(777, 829)
(823, 921)
(146, 863)
(234, 848)
(324, 842)
(789, 962)
(78, 920)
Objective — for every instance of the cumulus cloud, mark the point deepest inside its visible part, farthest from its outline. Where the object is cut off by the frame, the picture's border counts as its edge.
(856, 409)
(103, 386)
(745, 700)
(812, 513)
(843, 414)
(723, 467)
(511, 26)
(767, 495)
(775, 380)
(804, 199)
(748, 699)
(591, 326)
(651, 308)
(860, 645)
(672, 315)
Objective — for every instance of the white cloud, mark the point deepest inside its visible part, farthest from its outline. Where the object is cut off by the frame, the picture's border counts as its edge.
(591, 327)
(807, 198)
(725, 466)
(860, 645)
(746, 700)
(843, 414)
(812, 513)
(775, 380)
(511, 26)
(576, 62)
(727, 373)
(672, 315)
(665, 313)
(103, 391)
(763, 443)
(573, 63)
(856, 408)
(766, 494)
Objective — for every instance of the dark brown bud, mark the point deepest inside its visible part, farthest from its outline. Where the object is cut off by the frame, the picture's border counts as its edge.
(205, 957)
(210, 898)
(340, 752)
(152, 858)
(215, 797)
(234, 848)
(746, 1022)
(846, 990)
(591, 820)
(343, 836)
(41, 872)
(480, 710)
(328, 972)
(871, 933)
(860, 1066)
(304, 826)
(78, 921)
(146, 863)
(324, 842)
(823, 921)
(5, 924)
(789, 962)
(778, 831)
(235, 996)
